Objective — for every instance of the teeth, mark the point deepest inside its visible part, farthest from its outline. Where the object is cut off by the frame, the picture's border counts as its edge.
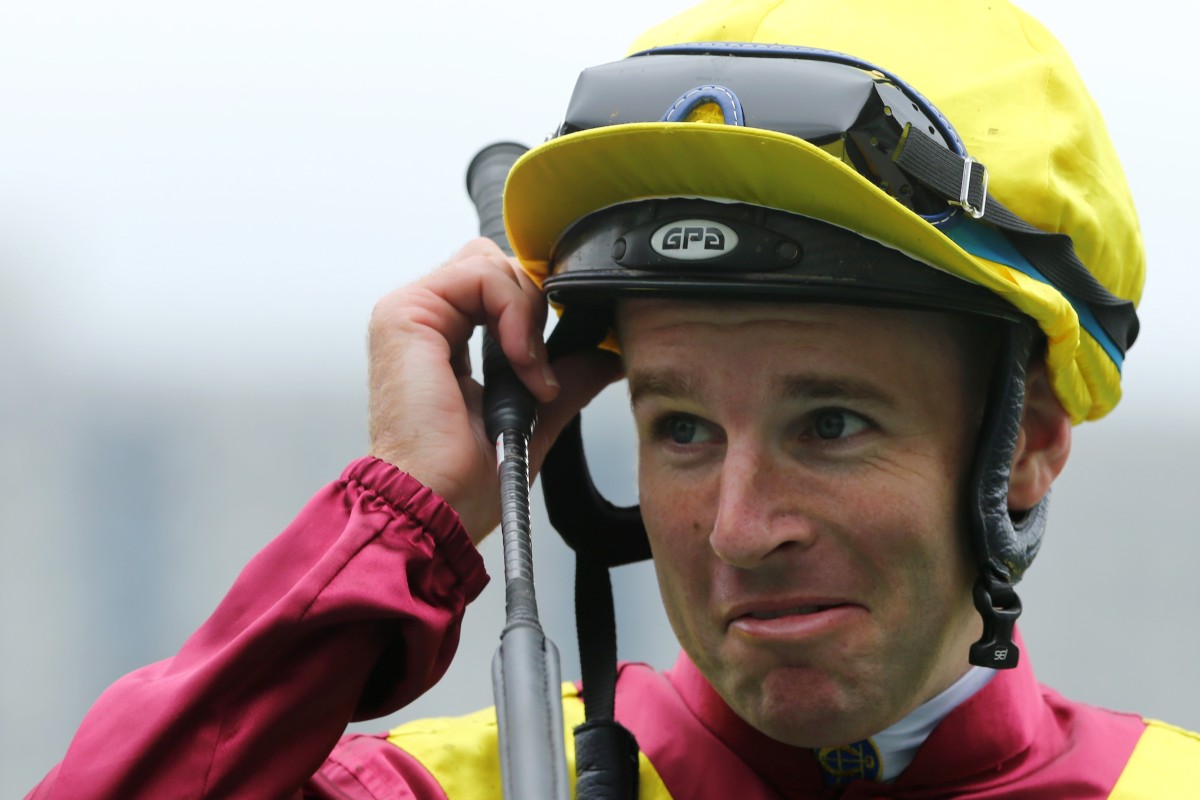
(787, 612)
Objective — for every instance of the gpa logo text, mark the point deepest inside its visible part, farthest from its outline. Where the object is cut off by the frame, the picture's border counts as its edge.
(693, 240)
(709, 238)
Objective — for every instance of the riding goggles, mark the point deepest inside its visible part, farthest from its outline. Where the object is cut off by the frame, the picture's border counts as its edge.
(849, 108)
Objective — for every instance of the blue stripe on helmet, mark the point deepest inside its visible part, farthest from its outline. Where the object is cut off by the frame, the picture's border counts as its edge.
(984, 241)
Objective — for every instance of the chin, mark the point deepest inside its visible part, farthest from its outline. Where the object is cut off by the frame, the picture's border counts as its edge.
(797, 708)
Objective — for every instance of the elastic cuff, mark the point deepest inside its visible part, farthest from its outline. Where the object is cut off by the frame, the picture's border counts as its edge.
(417, 501)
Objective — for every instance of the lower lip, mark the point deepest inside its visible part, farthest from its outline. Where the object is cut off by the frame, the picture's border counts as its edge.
(797, 626)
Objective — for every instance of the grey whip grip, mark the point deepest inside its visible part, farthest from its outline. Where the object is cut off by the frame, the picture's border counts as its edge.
(507, 404)
(485, 183)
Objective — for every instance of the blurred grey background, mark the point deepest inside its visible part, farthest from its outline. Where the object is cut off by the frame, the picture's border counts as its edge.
(199, 205)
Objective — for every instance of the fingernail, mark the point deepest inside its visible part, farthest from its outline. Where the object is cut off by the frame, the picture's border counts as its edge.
(533, 350)
(548, 376)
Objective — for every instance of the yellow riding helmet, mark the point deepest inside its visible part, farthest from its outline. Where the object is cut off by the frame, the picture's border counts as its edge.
(1006, 94)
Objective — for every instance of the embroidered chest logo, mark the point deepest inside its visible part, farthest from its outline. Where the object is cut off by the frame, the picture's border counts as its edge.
(860, 760)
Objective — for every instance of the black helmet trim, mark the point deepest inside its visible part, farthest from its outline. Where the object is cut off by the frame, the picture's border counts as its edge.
(693, 248)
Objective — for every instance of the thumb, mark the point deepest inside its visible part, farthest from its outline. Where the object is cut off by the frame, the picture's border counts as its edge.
(582, 375)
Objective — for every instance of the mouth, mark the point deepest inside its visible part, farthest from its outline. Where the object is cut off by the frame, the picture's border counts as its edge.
(794, 623)
(795, 611)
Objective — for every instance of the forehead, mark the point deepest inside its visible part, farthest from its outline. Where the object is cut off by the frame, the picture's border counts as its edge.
(913, 352)
(643, 321)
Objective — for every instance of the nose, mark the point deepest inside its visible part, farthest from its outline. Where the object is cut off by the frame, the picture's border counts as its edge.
(760, 508)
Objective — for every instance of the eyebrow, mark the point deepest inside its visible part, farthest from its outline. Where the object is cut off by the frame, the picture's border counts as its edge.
(673, 384)
(809, 387)
(664, 383)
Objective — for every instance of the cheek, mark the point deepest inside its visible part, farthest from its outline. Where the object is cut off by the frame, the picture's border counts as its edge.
(939, 552)
(908, 525)
(675, 518)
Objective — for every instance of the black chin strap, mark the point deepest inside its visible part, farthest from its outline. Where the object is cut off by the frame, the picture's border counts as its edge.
(606, 753)
(1004, 547)
(998, 604)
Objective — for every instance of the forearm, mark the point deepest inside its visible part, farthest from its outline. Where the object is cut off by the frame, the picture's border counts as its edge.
(350, 613)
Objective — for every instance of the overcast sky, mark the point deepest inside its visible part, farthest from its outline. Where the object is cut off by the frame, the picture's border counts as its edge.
(211, 191)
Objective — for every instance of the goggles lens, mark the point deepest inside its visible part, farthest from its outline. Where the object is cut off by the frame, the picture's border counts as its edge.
(855, 112)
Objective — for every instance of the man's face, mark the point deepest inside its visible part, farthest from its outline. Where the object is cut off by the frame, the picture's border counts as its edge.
(802, 472)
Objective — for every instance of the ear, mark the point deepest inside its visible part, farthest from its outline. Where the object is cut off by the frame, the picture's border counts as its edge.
(1043, 443)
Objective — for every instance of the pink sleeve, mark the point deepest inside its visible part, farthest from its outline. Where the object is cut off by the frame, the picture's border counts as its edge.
(353, 611)
(366, 767)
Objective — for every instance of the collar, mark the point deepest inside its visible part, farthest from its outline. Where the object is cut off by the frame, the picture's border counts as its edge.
(898, 743)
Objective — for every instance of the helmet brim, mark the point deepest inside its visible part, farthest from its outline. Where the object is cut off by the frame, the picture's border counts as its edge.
(563, 180)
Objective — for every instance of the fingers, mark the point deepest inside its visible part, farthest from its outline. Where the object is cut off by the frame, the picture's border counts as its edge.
(480, 285)
(425, 412)
(584, 375)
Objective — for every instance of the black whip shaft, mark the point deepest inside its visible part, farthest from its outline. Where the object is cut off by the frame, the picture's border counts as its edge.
(525, 670)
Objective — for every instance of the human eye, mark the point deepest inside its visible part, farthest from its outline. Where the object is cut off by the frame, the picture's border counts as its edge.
(830, 424)
(682, 429)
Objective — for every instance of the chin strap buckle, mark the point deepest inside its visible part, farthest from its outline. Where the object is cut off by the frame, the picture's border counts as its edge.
(998, 604)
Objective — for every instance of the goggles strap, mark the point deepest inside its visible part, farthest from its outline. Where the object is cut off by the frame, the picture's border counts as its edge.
(963, 181)
(960, 180)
